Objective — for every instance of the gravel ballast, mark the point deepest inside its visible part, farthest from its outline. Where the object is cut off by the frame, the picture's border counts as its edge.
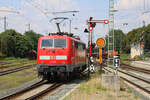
(61, 93)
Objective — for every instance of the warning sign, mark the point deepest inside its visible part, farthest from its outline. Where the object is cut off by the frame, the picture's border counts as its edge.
(100, 42)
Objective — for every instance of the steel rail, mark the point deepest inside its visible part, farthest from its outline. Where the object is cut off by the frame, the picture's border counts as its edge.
(15, 69)
(10, 65)
(49, 89)
(142, 79)
(140, 87)
(136, 68)
(129, 74)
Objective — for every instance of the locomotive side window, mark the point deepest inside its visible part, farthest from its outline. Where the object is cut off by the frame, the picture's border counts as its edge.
(80, 46)
(84, 47)
(76, 45)
(60, 43)
(47, 43)
(71, 43)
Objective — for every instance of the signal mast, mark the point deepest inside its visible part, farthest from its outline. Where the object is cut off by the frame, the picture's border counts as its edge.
(92, 24)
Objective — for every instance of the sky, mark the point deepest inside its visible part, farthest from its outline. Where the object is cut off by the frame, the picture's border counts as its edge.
(38, 14)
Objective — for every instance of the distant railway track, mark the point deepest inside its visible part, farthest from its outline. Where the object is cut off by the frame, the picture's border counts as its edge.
(134, 83)
(11, 61)
(9, 64)
(135, 68)
(16, 69)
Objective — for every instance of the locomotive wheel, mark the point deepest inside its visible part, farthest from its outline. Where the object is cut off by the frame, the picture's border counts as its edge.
(67, 76)
(45, 77)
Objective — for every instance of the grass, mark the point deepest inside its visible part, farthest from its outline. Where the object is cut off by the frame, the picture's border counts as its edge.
(124, 57)
(100, 87)
(13, 60)
(129, 90)
(16, 79)
(9, 58)
(14, 63)
(17, 64)
(93, 90)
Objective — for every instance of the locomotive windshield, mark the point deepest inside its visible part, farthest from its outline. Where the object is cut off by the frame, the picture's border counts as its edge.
(47, 43)
(53, 43)
(59, 43)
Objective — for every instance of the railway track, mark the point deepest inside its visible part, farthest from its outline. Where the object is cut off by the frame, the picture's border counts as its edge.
(48, 90)
(3, 66)
(12, 61)
(15, 69)
(22, 94)
(24, 90)
(135, 68)
(137, 81)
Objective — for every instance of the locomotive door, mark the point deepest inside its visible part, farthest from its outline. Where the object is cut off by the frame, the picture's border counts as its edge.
(72, 52)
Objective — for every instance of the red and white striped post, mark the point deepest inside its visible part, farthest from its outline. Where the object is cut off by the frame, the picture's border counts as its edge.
(90, 37)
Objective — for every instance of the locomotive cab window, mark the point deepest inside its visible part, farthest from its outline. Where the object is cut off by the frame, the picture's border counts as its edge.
(47, 43)
(60, 43)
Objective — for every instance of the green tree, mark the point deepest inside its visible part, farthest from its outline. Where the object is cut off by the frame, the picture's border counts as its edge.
(134, 37)
(33, 38)
(23, 45)
(147, 37)
(118, 37)
(8, 42)
(14, 44)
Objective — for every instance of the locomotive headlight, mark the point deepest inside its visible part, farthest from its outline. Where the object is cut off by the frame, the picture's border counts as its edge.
(61, 57)
(42, 63)
(63, 63)
(44, 57)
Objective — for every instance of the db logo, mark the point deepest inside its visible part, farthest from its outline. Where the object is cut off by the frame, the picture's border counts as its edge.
(52, 57)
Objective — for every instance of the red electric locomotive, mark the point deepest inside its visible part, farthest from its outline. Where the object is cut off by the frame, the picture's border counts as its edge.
(59, 54)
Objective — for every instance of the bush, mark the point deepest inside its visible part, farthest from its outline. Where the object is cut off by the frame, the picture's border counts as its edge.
(137, 58)
(2, 55)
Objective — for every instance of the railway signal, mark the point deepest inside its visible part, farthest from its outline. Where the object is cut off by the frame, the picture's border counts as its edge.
(91, 27)
(90, 40)
(101, 43)
(106, 21)
(92, 24)
(116, 61)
